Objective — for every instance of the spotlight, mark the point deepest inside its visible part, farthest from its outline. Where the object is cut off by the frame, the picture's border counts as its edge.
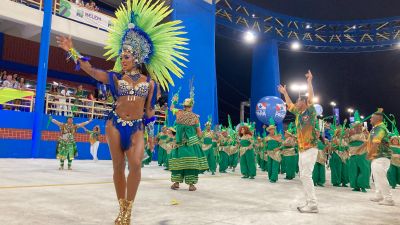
(354, 27)
(295, 45)
(333, 104)
(308, 26)
(249, 37)
(254, 15)
(362, 117)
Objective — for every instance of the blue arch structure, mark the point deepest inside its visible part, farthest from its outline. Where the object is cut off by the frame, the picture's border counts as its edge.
(315, 35)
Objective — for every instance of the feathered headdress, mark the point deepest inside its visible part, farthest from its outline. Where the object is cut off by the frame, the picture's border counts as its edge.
(137, 29)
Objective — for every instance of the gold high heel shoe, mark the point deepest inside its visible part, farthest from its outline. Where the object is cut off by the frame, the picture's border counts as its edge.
(122, 209)
(128, 211)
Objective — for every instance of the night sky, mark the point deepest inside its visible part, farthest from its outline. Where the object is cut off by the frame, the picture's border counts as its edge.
(363, 81)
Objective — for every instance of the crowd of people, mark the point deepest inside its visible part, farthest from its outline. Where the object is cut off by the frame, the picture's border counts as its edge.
(91, 5)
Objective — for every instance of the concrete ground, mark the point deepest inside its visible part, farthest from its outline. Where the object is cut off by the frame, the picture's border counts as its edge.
(34, 191)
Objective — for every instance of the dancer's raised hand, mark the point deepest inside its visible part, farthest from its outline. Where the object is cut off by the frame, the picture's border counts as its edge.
(64, 42)
(282, 89)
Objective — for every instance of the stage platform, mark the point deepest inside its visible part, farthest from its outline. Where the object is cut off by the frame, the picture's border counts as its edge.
(34, 191)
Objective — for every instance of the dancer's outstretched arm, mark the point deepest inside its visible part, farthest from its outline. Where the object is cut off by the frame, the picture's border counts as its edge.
(84, 123)
(56, 122)
(310, 89)
(66, 44)
(282, 90)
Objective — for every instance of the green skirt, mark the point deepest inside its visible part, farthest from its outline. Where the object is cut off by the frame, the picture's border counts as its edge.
(188, 158)
(66, 150)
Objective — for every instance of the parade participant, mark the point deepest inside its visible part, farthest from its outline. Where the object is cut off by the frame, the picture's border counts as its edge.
(66, 146)
(306, 118)
(319, 172)
(170, 145)
(273, 145)
(188, 159)
(94, 141)
(233, 152)
(394, 170)
(147, 149)
(146, 52)
(247, 154)
(339, 157)
(378, 151)
(208, 148)
(359, 166)
(162, 139)
(289, 154)
(260, 151)
(223, 148)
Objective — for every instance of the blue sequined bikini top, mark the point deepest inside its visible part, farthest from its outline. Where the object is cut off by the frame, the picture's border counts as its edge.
(139, 90)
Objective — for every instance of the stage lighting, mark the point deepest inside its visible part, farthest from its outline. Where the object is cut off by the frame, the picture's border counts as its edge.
(354, 27)
(249, 37)
(295, 45)
(308, 26)
(254, 15)
(362, 117)
(315, 99)
(333, 104)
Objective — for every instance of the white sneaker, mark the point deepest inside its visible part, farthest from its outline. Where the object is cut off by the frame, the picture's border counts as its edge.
(387, 202)
(308, 209)
(376, 199)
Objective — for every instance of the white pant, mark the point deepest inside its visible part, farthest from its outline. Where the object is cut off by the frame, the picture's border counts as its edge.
(93, 149)
(379, 168)
(307, 161)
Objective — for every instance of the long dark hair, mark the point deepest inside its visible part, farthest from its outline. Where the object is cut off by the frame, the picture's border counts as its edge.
(143, 69)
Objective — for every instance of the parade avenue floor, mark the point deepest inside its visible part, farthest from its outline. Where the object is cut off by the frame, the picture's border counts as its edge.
(34, 191)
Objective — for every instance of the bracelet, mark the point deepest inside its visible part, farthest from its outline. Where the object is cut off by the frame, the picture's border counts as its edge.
(74, 54)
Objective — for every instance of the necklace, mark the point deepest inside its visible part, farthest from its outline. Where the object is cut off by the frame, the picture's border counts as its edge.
(134, 75)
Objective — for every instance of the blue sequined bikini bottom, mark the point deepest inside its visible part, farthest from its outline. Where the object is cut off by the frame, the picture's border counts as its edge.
(126, 128)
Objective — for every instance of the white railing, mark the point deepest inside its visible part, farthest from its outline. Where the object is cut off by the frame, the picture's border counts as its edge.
(20, 104)
(77, 107)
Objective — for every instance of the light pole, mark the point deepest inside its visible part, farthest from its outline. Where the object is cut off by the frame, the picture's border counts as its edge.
(350, 111)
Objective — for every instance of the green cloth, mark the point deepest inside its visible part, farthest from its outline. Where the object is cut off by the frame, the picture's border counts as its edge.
(339, 170)
(188, 159)
(272, 165)
(290, 166)
(248, 164)
(393, 175)
(233, 160)
(223, 161)
(273, 170)
(318, 174)
(209, 154)
(359, 171)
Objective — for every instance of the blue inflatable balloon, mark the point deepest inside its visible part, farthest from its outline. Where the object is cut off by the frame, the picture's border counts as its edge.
(318, 109)
(270, 106)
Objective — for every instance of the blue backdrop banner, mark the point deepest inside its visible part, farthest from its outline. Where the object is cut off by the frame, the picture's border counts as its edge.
(199, 20)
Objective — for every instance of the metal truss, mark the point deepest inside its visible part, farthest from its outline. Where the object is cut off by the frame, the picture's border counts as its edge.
(233, 16)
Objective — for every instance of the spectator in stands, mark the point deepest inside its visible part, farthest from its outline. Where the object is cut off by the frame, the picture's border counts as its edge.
(15, 77)
(21, 84)
(8, 83)
(3, 77)
(79, 92)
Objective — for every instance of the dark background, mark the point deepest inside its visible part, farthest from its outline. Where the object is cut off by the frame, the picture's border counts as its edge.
(363, 81)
